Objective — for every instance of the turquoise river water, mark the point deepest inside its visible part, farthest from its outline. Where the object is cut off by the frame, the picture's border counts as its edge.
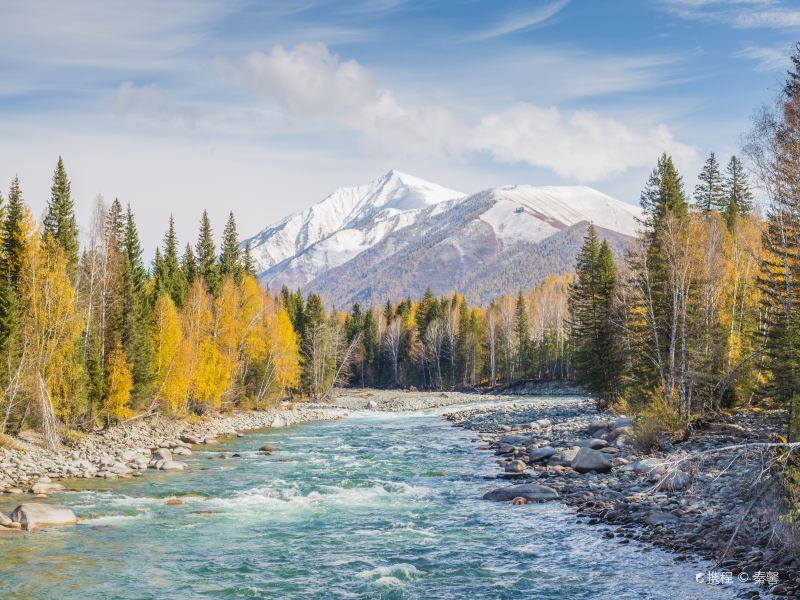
(373, 506)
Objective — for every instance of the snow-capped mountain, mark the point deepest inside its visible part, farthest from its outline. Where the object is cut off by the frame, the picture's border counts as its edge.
(341, 226)
(400, 234)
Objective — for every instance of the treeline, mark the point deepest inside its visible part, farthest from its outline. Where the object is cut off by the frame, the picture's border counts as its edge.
(702, 312)
(433, 343)
(93, 336)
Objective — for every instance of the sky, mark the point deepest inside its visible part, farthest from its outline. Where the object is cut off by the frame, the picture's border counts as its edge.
(264, 108)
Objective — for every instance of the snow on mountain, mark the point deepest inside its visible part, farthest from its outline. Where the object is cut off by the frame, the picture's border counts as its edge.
(343, 225)
(400, 234)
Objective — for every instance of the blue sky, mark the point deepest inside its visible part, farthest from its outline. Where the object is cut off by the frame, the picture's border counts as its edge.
(265, 107)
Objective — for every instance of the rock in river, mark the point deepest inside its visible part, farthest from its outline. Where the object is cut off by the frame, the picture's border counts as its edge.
(532, 492)
(33, 514)
(591, 460)
(515, 466)
(45, 487)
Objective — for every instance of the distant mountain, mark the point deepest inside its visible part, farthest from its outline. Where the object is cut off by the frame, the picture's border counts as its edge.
(400, 234)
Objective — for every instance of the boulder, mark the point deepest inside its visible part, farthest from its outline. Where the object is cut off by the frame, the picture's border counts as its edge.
(33, 514)
(615, 433)
(45, 487)
(676, 481)
(538, 454)
(564, 457)
(515, 466)
(4, 520)
(532, 492)
(172, 465)
(591, 460)
(120, 469)
(268, 449)
(279, 422)
(162, 454)
(593, 443)
(191, 439)
(658, 517)
(372, 405)
(621, 422)
(181, 451)
(515, 440)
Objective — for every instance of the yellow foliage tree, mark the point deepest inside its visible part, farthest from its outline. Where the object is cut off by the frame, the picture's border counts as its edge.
(212, 375)
(119, 383)
(170, 356)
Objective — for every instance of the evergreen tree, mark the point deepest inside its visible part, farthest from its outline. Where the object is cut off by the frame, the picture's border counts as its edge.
(248, 264)
(371, 346)
(134, 316)
(168, 275)
(59, 221)
(523, 336)
(10, 265)
(738, 197)
(189, 265)
(230, 258)
(663, 193)
(709, 194)
(115, 226)
(591, 319)
(207, 256)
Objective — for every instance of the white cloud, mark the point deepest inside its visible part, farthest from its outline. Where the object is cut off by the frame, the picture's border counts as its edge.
(519, 22)
(741, 14)
(583, 145)
(312, 85)
(768, 58)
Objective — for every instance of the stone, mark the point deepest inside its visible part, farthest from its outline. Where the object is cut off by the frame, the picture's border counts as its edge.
(658, 517)
(279, 422)
(4, 520)
(594, 443)
(31, 515)
(515, 466)
(174, 502)
(45, 487)
(162, 454)
(615, 433)
(621, 422)
(591, 460)
(518, 501)
(531, 492)
(172, 465)
(650, 466)
(676, 481)
(372, 405)
(181, 451)
(564, 457)
(515, 440)
(539, 454)
(120, 469)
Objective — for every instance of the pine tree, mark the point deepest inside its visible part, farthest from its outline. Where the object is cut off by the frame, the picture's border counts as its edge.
(11, 264)
(59, 221)
(189, 265)
(134, 314)
(738, 197)
(591, 319)
(709, 194)
(207, 256)
(168, 275)
(248, 264)
(230, 256)
(663, 193)
(523, 336)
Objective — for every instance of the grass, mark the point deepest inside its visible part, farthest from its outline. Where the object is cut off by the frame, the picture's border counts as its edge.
(6, 441)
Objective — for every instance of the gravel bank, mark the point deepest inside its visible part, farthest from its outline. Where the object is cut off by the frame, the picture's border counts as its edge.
(691, 508)
(129, 449)
(403, 401)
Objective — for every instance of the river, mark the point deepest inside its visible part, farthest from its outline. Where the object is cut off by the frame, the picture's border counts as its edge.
(377, 505)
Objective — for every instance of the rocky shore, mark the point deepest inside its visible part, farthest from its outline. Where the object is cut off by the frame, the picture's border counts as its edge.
(406, 400)
(129, 449)
(691, 497)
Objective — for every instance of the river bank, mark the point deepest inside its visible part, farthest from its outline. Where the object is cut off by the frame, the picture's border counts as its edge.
(129, 449)
(702, 507)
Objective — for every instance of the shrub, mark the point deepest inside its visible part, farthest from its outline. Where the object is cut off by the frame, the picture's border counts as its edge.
(656, 423)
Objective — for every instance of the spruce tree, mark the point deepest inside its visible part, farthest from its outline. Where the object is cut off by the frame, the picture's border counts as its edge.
(189, 265)
(663, 193)
(591, 319)
(115, 226)
(738, 197)
(371, 346)
(523, 336)
(248, 264)
(10, 266)
(134, 314)
(59, 221)
(169, 277)
(709, 193)
(230, 255)
(207, 256)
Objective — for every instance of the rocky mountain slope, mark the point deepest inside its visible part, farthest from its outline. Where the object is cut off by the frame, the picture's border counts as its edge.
(400, 234)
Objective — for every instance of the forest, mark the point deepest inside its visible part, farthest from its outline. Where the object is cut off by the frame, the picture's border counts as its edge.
(697, 316)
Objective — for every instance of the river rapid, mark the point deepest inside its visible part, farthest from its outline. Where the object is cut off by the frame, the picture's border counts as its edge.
(377, 505)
